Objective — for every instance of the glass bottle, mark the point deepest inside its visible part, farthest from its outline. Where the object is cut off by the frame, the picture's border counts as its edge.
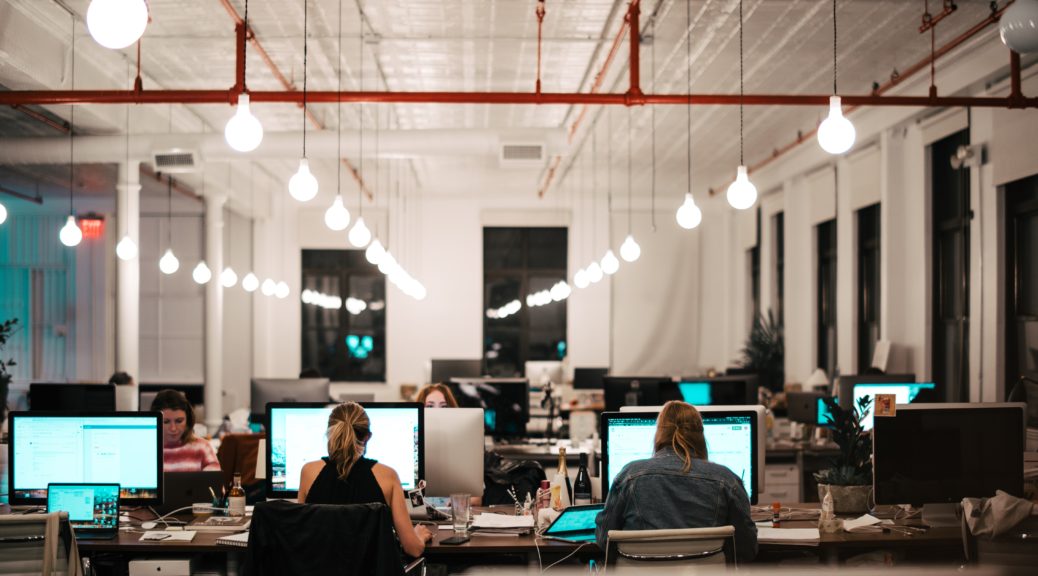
(236, 497)
(564, 473)
(582, 486)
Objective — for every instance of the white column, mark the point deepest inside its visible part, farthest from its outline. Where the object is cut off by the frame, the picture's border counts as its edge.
(214, 311)
(128, 296)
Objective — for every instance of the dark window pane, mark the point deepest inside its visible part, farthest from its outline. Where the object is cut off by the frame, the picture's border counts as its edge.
(502, 248)
(826, 329)
(547, 249)
(868, 284)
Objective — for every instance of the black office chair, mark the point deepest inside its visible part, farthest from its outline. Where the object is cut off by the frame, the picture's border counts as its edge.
(290, 538)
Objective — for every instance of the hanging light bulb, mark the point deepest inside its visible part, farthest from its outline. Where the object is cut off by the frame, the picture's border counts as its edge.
(250, 283)
(359, 235)
(580, 279)
(70, 234)
(630, 250)
(3, 213)
(201, 274)
(169, 263)
(610, 264)
(742, 193)
(116, 24)
(126, 249)
(303, 186)
(388, 264)
(269, 287)
(1019, 26)
(228, 278)
(337, 217)
(243, 131)
(594, 273)
(689, 215)
(836, 134)
(375, 252)
(420, 292)
(281, 290)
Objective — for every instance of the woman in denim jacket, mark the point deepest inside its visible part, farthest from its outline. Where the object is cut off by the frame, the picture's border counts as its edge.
(679, 487)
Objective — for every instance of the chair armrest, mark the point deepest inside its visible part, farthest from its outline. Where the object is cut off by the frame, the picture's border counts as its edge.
(415, 568)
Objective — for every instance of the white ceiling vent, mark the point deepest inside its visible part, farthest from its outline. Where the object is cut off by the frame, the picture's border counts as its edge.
(522, 154)
(175, 161)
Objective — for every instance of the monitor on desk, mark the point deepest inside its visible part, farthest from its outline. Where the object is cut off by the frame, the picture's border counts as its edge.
(722, 390)
(589, 378)
(843, 387)
(443, 370)
(540, 373)
(122, 448)
(803, 407)
(734, 438)
(297, 434)
(285, 390)
(194, 392)
(905, 392)
(453, 451)
(69, 397)
(637, 391)
(505, 403)
(941, 453)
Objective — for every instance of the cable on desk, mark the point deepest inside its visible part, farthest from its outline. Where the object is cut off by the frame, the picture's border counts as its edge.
(563, 559)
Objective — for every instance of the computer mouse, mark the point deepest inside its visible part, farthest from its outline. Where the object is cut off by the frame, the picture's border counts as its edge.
(149, 525)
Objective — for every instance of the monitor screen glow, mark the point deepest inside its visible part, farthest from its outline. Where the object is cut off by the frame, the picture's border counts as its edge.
(904, 393)
(696, 393)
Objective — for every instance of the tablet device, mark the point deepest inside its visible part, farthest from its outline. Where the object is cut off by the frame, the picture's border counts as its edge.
(575, 524)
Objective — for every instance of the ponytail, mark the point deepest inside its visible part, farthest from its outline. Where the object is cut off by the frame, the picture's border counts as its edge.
(348, 433)
(680, 427)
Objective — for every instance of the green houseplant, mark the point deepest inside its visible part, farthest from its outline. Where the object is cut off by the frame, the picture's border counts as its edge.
(849, 478)
(765, 351)
(6, 330)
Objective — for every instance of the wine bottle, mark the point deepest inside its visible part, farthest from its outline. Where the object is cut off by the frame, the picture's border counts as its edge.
(582, 486)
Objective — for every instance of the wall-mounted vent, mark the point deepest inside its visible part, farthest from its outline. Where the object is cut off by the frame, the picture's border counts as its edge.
(522, 154)
(175, 161)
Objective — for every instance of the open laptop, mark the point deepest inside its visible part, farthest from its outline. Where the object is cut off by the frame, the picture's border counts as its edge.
(182, 489)
(575, 524)
(93, 509)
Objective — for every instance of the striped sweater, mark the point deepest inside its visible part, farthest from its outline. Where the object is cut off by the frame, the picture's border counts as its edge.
(194, 456)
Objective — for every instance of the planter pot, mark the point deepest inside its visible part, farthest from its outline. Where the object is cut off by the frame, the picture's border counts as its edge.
(847, 499)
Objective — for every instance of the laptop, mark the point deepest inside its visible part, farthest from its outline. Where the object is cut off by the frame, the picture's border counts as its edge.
(93, 509)
(575, 524)
(182, 489)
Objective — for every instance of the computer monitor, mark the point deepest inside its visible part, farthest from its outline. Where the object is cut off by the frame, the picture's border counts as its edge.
(540, 373)
(844, 385)
(297, 434)
(734, 438)
(195, 393)
(505, 403)
(823, 414)
(637, 391)
(284, 390)
(67, 397)
(453, 451)
(122, 448)
(941, 453)
(444, 370)
(589, 378)
(904, 393)
(722, 390)
(803, 407)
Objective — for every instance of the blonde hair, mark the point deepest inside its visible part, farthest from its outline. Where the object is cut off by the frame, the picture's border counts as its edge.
(348, 433)
(442, 389)
(680, 427)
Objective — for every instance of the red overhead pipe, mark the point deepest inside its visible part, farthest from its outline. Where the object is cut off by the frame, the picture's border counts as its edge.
(931, 20)
(60, 126)
(634, 85)
(540, 26)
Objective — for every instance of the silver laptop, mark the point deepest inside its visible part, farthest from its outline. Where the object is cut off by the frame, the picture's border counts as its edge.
(93, 509)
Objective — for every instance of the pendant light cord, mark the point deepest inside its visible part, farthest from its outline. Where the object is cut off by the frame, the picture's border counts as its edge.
(306, 5)
(338, 112)
(360, 111)
(741, 160)
(688, 86)
(834, 49)
(630, 134)
(169, 212)
(245, 50)
(594, 186)
(652, 210)
(126, 222)
(609, 174)
(71, 125)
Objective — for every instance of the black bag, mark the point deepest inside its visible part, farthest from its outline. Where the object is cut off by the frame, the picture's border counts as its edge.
(501, 474)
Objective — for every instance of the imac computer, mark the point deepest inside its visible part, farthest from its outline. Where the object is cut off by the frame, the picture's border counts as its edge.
(123, 448)
(297, 434)
(843, 387)
(67, 397)
(589, 378)
(734, 438)
(444, 370)
(637, 391)
(539, 373)
(905, 392)
(937, 454)
(505, 403)
(284, 390)
(803, 407)
(723, 390)
(453, 451)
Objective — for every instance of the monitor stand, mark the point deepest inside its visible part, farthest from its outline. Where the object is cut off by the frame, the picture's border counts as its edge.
(941, 515)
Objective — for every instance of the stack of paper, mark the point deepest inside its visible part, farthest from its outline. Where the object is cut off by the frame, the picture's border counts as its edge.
(790, 536)
(503, 524)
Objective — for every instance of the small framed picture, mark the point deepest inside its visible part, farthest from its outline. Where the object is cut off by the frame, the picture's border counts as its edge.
(886, 404)
(415, 496)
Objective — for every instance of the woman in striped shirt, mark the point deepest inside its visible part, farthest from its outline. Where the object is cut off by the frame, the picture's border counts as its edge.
(182, 451)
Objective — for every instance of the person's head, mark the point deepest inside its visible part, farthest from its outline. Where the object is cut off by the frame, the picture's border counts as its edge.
(120, 379)
(436, 396)
(348, 432)
(680, 427)
(310, 372)
(178, 418)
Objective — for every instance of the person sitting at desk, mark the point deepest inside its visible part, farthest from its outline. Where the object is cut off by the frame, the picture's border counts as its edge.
(182, 451)
(436, 396)
(678, 487)
(345, 476)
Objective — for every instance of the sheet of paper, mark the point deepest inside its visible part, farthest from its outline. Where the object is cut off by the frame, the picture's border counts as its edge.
(168, 536)
(788, 534)
(866, 520)
(502, 521)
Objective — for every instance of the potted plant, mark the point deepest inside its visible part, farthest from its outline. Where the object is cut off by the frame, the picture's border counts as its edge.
(849, 479)
(6, 329)
(765, 351)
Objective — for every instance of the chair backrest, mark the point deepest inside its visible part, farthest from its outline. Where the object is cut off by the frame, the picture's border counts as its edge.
(238, 453)
(38, 544)
(669, 547)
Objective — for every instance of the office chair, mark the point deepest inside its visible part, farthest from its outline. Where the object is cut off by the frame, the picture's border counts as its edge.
(40, 544)
(661, 551)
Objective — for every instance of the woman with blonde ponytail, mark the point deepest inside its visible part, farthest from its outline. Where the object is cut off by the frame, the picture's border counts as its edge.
(345, 476)
(679, 487)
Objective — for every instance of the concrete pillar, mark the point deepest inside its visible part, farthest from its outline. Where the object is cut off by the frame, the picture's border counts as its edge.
(214, 311)
(128, 295)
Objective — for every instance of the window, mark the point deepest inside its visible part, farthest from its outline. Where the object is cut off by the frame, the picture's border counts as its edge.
(780, 266)
(826, 232)
(344, 316)
(754, 257)
(1022, 282)
(868, 285)
(518, 262)
(951, 270)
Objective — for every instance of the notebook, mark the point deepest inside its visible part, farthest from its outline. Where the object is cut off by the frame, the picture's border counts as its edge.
(93, 509)
(241, 539)
(575, 524)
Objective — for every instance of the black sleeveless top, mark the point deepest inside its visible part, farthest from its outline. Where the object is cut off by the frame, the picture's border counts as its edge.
(360, 487)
